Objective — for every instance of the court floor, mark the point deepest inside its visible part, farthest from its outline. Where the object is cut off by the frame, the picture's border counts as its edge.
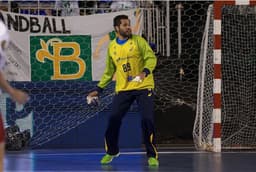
(171, 160)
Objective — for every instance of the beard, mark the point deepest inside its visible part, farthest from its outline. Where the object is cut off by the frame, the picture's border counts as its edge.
(127, 34)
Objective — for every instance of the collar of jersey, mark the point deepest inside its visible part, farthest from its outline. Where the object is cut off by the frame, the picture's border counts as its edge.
(121, 42)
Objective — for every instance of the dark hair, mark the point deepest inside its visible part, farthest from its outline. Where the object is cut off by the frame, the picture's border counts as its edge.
(117, 19)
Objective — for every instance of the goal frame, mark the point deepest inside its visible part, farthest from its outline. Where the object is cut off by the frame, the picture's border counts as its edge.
(217, 81)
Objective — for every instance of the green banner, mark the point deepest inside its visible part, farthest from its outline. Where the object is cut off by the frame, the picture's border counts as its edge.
(60, 58)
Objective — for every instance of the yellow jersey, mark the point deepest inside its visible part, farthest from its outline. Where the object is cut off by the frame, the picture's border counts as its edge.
(128, 61)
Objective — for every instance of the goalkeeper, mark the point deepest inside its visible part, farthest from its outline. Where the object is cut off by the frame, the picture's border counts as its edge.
(133, 61)
(16, 95)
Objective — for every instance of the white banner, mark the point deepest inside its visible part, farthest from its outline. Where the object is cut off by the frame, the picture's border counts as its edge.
(22, 27)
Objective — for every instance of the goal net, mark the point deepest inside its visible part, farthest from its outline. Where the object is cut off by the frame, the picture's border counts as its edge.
(238, 78)
(54, 108)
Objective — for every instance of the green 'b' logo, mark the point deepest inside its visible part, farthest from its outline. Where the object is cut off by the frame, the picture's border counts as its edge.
(60, 58)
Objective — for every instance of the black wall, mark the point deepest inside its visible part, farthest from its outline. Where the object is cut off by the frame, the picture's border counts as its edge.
(176, 94)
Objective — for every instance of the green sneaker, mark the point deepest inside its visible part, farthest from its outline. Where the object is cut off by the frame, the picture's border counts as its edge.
(106, 159)
(153, 161)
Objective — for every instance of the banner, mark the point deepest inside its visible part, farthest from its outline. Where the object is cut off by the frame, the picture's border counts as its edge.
(45, 48)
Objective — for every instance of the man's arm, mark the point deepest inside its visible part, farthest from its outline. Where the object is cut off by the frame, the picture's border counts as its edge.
(17, 95)
(108, 72)
(149, 57)
(106, 78)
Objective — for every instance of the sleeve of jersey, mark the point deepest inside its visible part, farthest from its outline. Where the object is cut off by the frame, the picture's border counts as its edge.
(148, 55)
(108, 72)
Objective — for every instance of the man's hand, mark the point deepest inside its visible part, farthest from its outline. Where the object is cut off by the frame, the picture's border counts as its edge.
(140, 77)
(93, 94)
(93, 98)
(19, 96)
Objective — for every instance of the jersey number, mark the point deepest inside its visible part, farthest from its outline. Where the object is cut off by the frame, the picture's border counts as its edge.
(126, 67)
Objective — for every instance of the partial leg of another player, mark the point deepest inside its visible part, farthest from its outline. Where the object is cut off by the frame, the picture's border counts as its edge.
(2, 144)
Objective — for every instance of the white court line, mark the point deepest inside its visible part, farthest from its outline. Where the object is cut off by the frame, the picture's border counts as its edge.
(129, 153)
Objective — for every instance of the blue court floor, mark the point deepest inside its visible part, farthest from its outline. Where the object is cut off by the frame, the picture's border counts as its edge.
(171, 160)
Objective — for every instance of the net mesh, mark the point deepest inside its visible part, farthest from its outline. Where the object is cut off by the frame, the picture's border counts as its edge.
(176, 90)
(238, 78)
(56, 107)
(173, 86)
(239, 75)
